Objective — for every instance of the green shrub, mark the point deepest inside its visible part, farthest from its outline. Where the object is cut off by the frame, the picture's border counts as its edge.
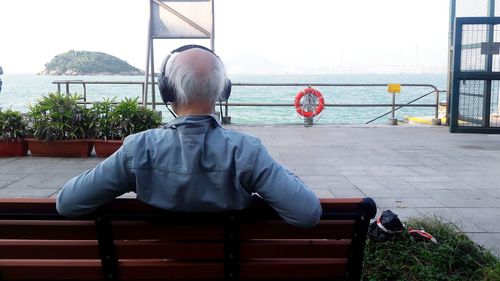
(492, 273)
(454, 258)
(105, 123)
(130, 117)
(12, 125)
(59, 117)
(113, 121)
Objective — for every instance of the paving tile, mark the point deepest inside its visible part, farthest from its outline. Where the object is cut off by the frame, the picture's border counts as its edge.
(323, 193)
(12, 177)
(4, 183)
(485, 218)
(441, 185)
(490, 181)
(495, 193)
(315, 170)
(328, 182)
(391, 193)
(407, 202)
(450, 215)
(424, 170)
(426, 178)
(453, 199)
(31, 181)
(33, 192)
(348, 193)
(8, 160)
(489, 241)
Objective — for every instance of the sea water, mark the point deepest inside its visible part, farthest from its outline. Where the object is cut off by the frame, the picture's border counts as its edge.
(19, 91)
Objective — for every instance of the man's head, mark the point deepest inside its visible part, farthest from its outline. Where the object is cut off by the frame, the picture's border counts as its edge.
(193, 75)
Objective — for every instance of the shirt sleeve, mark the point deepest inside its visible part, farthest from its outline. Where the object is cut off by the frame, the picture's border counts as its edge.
(83, 194)
(294, 201)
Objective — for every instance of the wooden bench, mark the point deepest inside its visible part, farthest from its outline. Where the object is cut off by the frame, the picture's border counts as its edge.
(128, 240)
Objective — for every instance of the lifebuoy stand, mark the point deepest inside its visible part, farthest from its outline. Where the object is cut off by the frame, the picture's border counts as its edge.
(305, 110)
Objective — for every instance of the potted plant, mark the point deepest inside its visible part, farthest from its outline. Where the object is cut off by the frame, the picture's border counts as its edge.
(114, 122)
(59, 126)
(13, 128)
(107, 138)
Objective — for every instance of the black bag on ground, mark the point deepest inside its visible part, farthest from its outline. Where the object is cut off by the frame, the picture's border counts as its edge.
(385, 228)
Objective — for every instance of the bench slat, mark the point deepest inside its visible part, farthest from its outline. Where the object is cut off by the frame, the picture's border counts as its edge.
(327, 229)
(76, 249)
(294, 269)
(134, 230)
(48, 249)
(295, 249)
(50, 270)
(57, 230)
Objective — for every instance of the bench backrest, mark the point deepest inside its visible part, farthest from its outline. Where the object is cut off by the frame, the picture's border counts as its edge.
(128, 240)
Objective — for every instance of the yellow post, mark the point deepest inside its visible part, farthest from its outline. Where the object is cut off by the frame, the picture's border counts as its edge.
(393, 89)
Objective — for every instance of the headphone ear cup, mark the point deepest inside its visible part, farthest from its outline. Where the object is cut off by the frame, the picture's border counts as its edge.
(167, 92)
(227, 90)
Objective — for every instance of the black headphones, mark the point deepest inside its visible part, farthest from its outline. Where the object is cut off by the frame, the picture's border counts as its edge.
(168, 92)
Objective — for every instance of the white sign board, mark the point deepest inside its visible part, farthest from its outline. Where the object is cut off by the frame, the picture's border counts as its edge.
(181, 18)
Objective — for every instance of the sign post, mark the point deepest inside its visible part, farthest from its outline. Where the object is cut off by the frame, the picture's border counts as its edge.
(176, 19)
(393, 89)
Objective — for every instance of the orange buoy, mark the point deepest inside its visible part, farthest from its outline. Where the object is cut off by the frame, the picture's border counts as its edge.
(305, 111)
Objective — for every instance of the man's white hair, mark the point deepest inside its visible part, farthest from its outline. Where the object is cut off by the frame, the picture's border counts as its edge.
(193, 85)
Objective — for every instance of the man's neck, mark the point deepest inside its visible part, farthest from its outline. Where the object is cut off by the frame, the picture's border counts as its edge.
(194, 109)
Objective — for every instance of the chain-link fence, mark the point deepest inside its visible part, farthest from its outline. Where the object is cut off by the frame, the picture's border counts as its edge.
(472, 8)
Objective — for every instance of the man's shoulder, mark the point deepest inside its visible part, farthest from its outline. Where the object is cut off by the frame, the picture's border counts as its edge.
(148, 135)
(241, 136)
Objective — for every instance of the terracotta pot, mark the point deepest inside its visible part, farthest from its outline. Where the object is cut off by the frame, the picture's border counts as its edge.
(104, 148)
(13, 149)
(70, 148)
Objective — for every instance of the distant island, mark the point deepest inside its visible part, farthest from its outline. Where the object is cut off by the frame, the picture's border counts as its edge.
(88, 63)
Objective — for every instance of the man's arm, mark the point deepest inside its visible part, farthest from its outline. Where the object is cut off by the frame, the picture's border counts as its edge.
(286, 193)
(85, 193)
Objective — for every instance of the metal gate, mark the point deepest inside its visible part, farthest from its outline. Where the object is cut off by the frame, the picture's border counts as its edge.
(475, 95)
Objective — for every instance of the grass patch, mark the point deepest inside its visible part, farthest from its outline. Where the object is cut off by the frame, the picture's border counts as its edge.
(455, 258)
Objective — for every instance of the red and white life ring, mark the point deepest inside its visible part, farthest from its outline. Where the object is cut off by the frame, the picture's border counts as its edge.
(302, 111)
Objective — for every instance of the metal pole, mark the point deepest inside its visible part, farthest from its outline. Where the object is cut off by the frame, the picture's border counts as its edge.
(212, 36)
(436, 120)
(489, 68)
(393, 120)
(153, 95)
(84, 92)
(146, 70)
(393, 104)
(451, 35)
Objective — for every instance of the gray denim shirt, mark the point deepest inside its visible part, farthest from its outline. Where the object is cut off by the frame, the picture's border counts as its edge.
(193, 164)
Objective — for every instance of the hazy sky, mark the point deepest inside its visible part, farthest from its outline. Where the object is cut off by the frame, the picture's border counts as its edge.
(299, 35)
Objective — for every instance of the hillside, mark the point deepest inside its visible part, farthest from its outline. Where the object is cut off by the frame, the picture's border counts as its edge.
(88, 63)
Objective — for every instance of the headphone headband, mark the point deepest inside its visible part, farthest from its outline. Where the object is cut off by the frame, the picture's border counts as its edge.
(167, 91)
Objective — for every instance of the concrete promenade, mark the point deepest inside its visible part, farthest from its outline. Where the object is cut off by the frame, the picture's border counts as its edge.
(412, 170)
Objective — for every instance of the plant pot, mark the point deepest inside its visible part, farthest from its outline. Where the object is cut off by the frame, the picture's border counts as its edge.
(104, 148)
(65, 148)
(13, 148)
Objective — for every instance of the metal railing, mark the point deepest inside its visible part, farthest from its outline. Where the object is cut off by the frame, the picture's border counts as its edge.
(226, 105)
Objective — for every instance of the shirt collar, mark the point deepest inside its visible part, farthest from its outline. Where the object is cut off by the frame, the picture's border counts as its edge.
(193, 119)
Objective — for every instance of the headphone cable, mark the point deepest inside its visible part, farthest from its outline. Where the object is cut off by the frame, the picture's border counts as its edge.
(221, 113)
(170, 110)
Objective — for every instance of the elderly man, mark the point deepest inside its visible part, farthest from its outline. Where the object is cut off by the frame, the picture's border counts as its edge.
(193, 163)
